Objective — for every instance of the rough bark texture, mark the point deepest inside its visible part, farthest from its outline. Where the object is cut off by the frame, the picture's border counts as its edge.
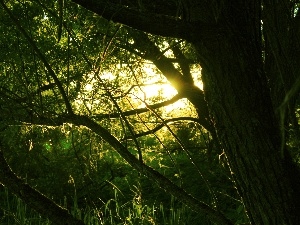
(236, 89)
(238, 95)
(227, 36)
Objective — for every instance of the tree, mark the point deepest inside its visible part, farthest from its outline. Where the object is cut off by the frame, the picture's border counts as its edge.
(248, 52)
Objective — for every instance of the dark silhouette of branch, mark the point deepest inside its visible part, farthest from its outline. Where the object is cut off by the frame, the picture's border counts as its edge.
(130, 48)
(41, 56)
(160, 126)
(161, 180)
(34, 198)
(138, 111)
(164, 25)
(9, 94)
(183, 63)
(181, 82)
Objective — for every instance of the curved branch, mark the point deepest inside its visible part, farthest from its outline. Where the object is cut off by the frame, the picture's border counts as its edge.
(151, 52)
(138, 111)
(41, 56)
(33, 198)
(160, 126)
(147, 21)
(161, 180)
(183, 84)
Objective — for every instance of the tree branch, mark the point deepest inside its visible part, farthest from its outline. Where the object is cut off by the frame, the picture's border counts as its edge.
(34, 198)
(41, 56)
(183, 63)
(161, 180)
(148, 21)
(160, 126)
(138, 111)
(183, 84)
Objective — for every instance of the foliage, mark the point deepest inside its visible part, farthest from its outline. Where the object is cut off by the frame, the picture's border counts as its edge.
(84, 99)
(132, 212)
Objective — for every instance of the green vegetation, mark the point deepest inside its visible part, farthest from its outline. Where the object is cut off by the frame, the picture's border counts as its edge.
(14, 211)
(84, 175)
(149, 112)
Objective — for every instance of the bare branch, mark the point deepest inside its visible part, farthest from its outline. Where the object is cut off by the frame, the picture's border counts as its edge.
(184, 85)
(183, 63)
(34, 198)
(138, 111)
(160, 126)
(41, 56)
(161, 180)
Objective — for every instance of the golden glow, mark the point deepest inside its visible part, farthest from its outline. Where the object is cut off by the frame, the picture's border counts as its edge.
(166, 91)
(147, 86)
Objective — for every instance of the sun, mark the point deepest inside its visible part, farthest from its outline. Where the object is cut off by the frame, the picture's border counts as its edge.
(164, 90)
(159, 92)
(155, 88)
(153, 92)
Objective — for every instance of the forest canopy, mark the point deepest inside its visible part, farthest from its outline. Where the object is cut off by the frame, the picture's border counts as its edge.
(149, 112)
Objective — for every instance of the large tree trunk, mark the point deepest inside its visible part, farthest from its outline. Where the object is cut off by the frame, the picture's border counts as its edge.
(237, 92)
(227, 37)
(229, 44)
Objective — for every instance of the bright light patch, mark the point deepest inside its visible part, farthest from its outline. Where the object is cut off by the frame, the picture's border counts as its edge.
(179, 105)
(88, 87)
(107, 76)
(156, 90)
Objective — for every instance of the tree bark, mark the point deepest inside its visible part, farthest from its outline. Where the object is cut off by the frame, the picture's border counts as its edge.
(33, 198)
(228, 40)
(229, 46)
(238, 95)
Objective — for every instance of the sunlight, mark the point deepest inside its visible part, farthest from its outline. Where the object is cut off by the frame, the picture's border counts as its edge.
(88, 87)
(155, 85)
(163, 90)
(156, 88)
(151, 88)
(179, 105)
(107, 76)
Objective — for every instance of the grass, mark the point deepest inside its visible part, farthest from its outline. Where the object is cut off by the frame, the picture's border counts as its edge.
(14, 211)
